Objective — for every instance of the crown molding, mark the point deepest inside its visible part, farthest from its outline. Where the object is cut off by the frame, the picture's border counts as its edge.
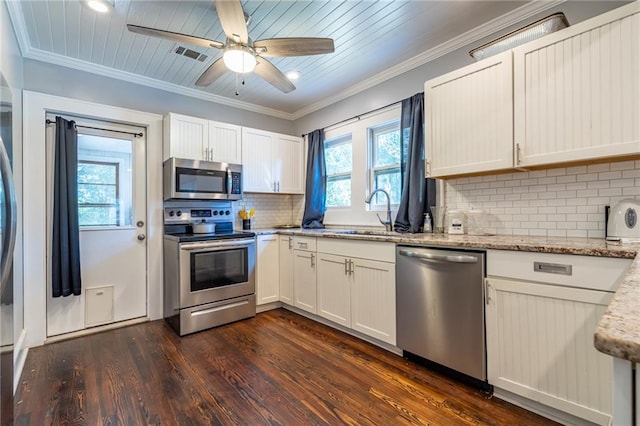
(526, 11)
(497, 24)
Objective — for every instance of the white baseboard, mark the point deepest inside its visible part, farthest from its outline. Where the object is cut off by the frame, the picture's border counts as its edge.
(93, 330)
(391, 348)
(543, 410)
(268, 307)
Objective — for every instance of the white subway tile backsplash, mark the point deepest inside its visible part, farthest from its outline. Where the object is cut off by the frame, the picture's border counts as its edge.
(560, 202)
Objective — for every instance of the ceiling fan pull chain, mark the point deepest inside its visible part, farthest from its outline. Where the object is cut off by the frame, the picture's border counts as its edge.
(237, 92)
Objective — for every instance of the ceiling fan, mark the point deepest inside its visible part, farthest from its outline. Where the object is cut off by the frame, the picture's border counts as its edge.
(240, 53)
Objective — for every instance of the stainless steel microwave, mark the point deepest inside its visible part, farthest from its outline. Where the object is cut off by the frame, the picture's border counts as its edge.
(201, 180)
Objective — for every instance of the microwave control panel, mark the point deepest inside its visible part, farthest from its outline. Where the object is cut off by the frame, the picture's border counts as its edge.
(236, 187)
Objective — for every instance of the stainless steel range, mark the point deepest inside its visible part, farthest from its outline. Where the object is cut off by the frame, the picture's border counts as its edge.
(209, 277)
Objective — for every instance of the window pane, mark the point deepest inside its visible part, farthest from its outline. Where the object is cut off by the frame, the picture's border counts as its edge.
(96, 173)
(98, 216)
(338, 192)
(386, 148)
(96, 194)
(338, 157)
(389, 180)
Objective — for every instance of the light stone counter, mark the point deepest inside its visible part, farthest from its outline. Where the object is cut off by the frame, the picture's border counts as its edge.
(617, 333)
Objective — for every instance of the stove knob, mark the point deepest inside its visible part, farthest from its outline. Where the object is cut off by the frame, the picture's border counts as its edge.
(179, 213)
(227, 212)
(221, 212)
(172, 213)
(215, 212)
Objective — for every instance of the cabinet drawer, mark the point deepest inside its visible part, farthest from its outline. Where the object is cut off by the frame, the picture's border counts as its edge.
(596, 273)
(304, 243)
(384, 252)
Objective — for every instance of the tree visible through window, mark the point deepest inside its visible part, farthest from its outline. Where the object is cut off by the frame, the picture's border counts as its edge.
(338, 160)
(385, 155)
(98, 193)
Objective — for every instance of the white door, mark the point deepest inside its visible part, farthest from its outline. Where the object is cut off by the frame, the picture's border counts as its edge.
(112, 213)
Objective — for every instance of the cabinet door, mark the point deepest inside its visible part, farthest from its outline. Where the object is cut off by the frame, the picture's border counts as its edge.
(577, 91)
(286, 269)
(334, 288)
(540, 346)
(288, 164)
(469, 118)
(256, 160)
(185, 137)
(304, 280)
(373, 299)
(225, 142)
(267, 269)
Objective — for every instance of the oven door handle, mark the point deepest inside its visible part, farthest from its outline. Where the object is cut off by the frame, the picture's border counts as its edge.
(208, 246)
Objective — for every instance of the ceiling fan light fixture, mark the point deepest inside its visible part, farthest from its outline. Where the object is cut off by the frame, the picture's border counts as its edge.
(293, 75)
(102, 6)
(239, 59)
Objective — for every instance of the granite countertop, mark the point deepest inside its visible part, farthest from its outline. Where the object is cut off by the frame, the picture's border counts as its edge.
(617, 333)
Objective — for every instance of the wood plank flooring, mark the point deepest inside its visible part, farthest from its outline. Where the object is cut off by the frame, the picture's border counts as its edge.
(277, 368)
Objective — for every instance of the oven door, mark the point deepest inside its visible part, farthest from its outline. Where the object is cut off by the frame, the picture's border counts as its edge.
(211, 271)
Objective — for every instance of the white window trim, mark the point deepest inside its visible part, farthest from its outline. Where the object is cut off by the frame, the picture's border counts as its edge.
(358, 214)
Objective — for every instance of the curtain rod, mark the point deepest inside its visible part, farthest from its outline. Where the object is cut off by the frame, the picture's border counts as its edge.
(359, 115)
(139, 135)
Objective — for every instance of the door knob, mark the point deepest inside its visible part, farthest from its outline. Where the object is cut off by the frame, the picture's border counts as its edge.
(141, 237)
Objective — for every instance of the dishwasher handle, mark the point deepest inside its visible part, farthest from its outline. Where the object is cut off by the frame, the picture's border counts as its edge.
(439, 257)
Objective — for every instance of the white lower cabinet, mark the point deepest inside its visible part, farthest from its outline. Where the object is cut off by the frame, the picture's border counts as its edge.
(304, 274)
(358, 292)
(373, 299)
(541, 314)
(286, 269)
(267, 269)
(334, 288)
(540, 346)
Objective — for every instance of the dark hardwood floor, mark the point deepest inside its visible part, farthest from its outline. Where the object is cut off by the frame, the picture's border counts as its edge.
(277, 368)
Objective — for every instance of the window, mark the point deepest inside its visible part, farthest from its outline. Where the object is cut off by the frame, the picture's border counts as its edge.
(384, 162)
(338, 160)
(104, 181)
(98, 193)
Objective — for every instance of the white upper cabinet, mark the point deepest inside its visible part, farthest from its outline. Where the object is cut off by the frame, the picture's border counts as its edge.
(469, 118)
(272, 162)
(225, 142)
(568, 97)
(199, 139)
(577, 91)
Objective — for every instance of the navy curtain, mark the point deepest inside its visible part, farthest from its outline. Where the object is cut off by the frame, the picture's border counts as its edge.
(316, 185)
(410, 217)
(65, 256)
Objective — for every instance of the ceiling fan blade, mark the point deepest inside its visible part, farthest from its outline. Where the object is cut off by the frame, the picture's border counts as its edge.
(295, 46)
(212, 73)
(232, 19)
(273, 75)
(181, 38)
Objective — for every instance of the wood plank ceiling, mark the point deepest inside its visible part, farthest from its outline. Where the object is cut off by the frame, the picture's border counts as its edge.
(370, 37)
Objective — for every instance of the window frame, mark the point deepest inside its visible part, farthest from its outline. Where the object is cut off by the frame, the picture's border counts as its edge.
(359, 213)
(372, 170)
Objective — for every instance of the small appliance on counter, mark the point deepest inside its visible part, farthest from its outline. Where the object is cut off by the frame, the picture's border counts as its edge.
(622, 224)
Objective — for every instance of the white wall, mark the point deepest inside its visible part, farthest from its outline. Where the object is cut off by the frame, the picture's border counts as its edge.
(71, 83)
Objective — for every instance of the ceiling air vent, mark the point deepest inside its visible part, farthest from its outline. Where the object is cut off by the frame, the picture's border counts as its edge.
(190, 53)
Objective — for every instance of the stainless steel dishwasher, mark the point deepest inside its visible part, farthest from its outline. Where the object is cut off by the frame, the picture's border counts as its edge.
(440, 307)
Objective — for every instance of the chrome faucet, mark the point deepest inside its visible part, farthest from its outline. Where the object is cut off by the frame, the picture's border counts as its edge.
(388, 225)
